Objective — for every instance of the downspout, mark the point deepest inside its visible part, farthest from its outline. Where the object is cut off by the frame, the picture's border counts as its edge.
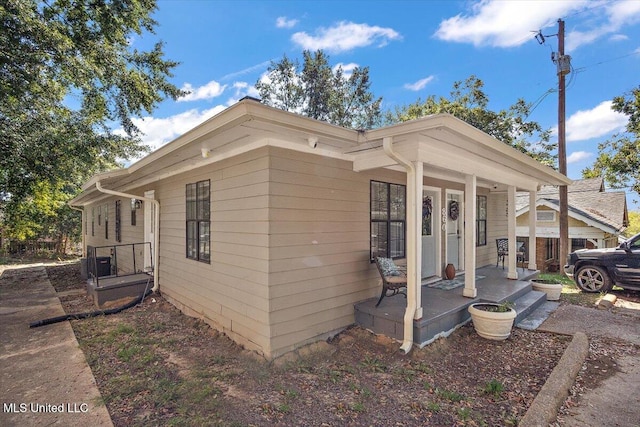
(156, 232)
(75, 208)
(387, 145)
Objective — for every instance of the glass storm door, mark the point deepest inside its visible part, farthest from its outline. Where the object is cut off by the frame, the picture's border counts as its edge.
(454, 229)
(430, 230)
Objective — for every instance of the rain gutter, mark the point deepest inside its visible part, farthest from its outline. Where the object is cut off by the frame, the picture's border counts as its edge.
(407, 343)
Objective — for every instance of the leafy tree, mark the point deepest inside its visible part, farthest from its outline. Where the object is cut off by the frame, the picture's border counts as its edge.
(320, 92)
(634, 224)
(469, 103)
(619, 159)
(68, 73)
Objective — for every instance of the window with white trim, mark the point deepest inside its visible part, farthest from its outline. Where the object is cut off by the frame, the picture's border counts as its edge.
(198, 200)
(545, 216)
(481, 220)
(388, 220)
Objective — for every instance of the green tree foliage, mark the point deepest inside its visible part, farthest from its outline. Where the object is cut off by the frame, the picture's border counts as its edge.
(634, 224)
(618, 158)
(469, 103)
(68, 73)
(320, 92)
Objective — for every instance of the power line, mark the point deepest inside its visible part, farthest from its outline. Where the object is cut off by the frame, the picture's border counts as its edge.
(588, 9)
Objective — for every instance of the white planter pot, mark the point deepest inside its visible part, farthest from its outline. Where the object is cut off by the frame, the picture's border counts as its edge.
(552, 288)
(490, 324)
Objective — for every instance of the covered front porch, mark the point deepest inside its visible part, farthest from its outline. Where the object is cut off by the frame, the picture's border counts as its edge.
(444, 310)
(452, 164)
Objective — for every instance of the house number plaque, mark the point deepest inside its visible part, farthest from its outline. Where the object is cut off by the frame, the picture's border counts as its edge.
(443, 215)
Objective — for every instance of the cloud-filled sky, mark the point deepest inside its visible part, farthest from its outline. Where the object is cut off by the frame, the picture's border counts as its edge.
(413, 49)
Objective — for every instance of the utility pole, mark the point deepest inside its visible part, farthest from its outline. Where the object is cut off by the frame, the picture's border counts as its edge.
(563, 67)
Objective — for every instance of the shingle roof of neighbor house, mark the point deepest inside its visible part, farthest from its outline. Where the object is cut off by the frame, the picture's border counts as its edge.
(587, 198)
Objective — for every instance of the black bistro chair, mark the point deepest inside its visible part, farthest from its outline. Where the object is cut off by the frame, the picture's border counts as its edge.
(502, 245)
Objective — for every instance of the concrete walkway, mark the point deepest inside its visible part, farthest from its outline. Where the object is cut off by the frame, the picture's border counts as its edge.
(616, 402)
(45, 379)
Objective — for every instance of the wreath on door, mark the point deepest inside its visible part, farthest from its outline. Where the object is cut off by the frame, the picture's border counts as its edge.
(454, 210)
(427, 207)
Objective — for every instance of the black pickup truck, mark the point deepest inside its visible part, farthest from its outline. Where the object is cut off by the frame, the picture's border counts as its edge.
(598, 270)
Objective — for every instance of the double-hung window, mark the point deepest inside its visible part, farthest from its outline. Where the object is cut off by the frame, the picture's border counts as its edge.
(198, 200)
(481, 220)
(388, 220)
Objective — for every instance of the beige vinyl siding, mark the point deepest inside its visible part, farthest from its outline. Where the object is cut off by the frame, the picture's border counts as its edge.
(319, 258)
(230, 293)
(496, 226)
(124, 259)
(486, 254)
(130, 234)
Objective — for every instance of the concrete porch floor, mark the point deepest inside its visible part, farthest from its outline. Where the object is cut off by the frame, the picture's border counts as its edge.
(446, 310)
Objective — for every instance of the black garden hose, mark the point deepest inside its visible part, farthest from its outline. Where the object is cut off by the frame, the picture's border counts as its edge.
(86, 315)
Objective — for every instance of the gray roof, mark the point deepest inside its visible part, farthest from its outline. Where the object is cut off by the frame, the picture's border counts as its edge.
(587, 198)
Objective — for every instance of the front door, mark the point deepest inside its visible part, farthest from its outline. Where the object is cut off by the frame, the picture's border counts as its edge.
(430, 231)
(455, 236)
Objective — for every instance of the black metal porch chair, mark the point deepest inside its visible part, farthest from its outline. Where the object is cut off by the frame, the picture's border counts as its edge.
(502, 245)
(394, 278)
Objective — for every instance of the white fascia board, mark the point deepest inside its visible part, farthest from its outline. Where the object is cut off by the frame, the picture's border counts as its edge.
(554, 232)
(572, 214)
(466, 130)
(249, 110)
(233, 152)
(468, 146)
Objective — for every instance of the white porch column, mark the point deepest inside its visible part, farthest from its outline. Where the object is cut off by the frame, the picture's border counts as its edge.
(418, 178)
(533, 195)
(511, 231)
(470, 237)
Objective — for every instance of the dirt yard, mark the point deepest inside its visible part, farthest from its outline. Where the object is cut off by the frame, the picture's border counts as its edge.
(156, 366)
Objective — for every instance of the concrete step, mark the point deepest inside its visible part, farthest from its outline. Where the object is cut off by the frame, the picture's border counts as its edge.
(539, 315)
(527, 303)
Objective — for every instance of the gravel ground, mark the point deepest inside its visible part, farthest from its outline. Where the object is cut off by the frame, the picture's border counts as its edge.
(156, 366)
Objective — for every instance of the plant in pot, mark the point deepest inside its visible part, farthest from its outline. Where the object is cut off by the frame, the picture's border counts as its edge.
(553, 288)
(492, 320)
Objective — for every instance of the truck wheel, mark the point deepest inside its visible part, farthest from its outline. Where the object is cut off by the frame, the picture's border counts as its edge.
(593, 279)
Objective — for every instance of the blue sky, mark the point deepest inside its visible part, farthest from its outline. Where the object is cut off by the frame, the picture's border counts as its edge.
(413, 49)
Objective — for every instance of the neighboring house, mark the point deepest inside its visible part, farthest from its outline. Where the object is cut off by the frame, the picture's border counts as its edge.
(596, 219)
(264, 223)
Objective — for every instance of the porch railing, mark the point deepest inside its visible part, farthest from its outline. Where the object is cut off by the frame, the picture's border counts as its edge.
(118, 260)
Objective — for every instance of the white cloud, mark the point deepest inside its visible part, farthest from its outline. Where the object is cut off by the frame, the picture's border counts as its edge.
(347, 69)
(283, 22)
(509, 23)
(504, 23)
(616, 15)
(578, 156)
(420, 84)
(247, 70)
(242, 89)
(210, 90)
(618, 37)
(158, 132)
(345, 36)
(594, 123)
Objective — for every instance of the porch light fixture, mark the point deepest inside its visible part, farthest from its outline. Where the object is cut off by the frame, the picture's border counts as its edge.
(136, 204)
(313, 141)
(205, 152)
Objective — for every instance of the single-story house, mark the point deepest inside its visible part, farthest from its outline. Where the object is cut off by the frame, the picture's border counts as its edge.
(596, 219)
(264, 223)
